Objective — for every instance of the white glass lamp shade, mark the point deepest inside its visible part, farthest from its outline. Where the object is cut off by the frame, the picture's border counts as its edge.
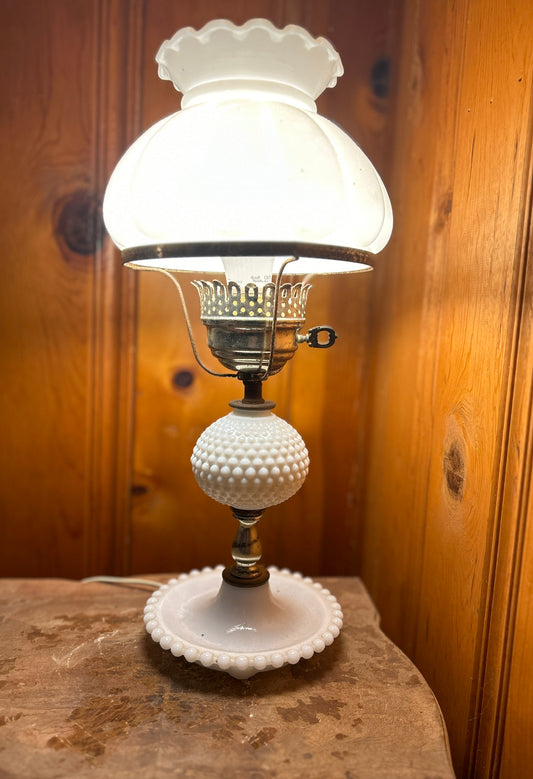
(247, 166)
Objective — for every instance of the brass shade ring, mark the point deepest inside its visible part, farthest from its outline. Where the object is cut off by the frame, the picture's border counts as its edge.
(137, 254)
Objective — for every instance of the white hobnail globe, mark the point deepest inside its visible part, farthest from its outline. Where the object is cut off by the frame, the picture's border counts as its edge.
(250, 460)
(247, 158)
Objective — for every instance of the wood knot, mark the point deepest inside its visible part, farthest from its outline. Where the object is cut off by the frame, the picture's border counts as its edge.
(443, 212)
(454, 470)
(182, 379)
(138, 489)
(380, 78)
(79, 226)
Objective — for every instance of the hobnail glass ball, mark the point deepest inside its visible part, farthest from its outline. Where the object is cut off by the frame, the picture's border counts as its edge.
(250, 460)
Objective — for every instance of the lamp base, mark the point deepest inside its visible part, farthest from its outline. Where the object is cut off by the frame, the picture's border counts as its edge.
(243, 630)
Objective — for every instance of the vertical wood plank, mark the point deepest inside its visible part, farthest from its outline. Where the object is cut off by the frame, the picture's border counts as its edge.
(66, 317)
(406, 314)
(511, 751)
(501, 744)
(366, 35)
(47, 186)
(118, 29)
(441, 381)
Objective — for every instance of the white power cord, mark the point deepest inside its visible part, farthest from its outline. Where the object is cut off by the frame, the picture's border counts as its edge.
(121, 580)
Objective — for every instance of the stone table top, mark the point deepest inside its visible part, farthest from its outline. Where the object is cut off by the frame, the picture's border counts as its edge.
(85, 692)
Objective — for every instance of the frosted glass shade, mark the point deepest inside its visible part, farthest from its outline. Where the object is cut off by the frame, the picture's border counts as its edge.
(247, 166)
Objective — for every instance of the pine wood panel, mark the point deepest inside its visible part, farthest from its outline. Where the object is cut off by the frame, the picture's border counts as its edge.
(64, 312)
(510, 746)
(174, 525)
(503, 742)
(445, 346)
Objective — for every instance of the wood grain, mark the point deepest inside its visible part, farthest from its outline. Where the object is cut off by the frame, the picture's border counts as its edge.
(506, 711)
(113, 316)
(446, 348)
(46, 163)
(67, 310)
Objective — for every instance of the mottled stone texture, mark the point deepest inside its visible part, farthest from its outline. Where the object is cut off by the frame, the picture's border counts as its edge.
(87, 693)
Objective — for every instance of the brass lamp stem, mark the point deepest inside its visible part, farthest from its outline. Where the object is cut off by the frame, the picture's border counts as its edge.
(246, 552)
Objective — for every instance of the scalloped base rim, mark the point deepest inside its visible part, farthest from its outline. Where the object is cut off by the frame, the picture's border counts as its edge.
(243, 631)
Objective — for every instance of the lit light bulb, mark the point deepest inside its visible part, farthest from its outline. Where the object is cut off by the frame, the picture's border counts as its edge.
(247, 270)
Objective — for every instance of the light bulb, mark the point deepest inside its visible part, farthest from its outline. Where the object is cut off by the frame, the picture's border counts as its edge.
(246, 270)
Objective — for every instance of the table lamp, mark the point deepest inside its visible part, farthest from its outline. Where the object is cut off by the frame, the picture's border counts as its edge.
(247, 179)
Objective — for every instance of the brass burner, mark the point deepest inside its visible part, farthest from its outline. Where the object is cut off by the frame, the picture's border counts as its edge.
(239, 323)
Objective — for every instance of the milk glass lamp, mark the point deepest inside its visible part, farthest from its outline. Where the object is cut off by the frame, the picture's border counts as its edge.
(248, 179)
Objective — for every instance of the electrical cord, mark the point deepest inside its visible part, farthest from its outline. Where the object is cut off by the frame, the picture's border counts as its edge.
(125, 580)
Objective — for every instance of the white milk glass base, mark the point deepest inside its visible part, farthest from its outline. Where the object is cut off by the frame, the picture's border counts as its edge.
(243, 630)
